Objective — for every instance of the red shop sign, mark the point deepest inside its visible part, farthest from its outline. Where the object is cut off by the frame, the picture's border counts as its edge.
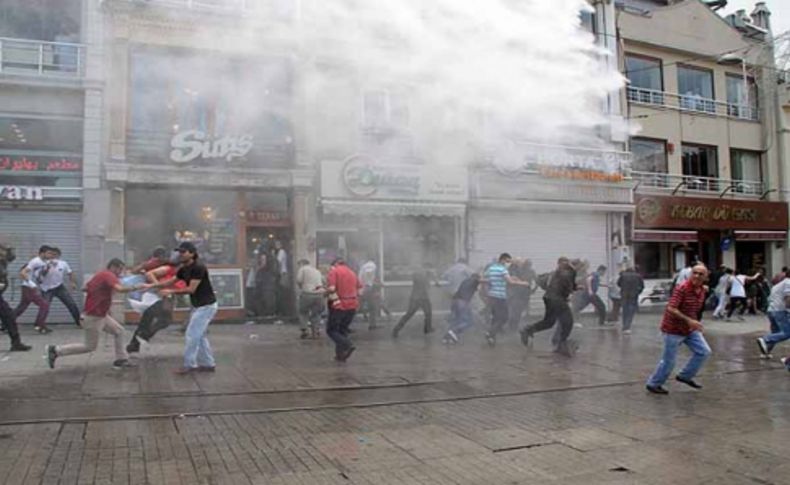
(38, 164)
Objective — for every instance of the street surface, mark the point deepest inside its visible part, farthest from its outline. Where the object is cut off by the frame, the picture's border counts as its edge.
(412, 411)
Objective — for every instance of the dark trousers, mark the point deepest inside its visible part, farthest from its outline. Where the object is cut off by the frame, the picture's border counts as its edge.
(600, 308)
(32, 295)
(614, 314)
(556, 310)
(371, 305)
(499, 315)
(517, 305)
(415, 304)
(8, 319)
(337, 329)
(736, 301)
(155, 318)
(630, 306)
(62, 294)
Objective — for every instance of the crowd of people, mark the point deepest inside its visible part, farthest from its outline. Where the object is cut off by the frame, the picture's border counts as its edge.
(504, 287)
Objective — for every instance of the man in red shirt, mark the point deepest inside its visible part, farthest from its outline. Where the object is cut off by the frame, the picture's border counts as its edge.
(343, 290)
(99, 291)
(680, 326)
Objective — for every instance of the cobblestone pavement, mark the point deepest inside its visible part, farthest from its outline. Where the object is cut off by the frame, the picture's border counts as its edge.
(411, 411)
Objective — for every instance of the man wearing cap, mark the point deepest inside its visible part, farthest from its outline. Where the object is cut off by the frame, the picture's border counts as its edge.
(197, 351)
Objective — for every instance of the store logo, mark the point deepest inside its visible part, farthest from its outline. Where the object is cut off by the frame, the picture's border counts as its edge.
(13, 192)
(363, 179)
(191, 145)
(648, 210)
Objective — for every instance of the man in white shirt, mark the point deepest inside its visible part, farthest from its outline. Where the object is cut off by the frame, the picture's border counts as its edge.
(283, 294)
(311, 298)
(31, 275)
(53, 284)
(370, 293)
(778, 316)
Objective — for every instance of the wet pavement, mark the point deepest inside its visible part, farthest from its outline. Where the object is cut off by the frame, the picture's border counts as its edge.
(408, 411)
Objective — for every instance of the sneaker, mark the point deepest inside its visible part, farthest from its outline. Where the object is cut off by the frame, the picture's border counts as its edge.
(490, 339)
(452, 336)
(345, 355)
(133, 347)
(626, 332)
(44, 330)
(123, 364)
(689, 382)
(52, 354)
(20, 347)
(785, 361)
(656, 389)
(526, 335)
(763, 346)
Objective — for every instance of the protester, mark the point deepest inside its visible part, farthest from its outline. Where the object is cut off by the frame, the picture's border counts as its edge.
(98, 300)
(343, 293)
(680, 326)
(31, 276)
(496, 280)
(461, 316)
(311, 298)
(418, 300)
(370, 296)
(590, 295)
(631, 285)
(737, 294)
(559, 286)
(456, 274)
(53, 284)
(518, 295)
(7, 317)
(778, 315)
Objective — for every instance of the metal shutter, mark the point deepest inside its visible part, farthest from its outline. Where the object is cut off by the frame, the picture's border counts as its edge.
(27, 231)
(541, 236)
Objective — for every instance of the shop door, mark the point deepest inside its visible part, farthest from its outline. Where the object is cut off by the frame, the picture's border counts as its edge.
(750, 256)
(265, 241)
(710, 248)
(27, 231)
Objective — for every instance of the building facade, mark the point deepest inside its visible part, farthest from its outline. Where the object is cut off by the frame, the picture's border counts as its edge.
(706, 164)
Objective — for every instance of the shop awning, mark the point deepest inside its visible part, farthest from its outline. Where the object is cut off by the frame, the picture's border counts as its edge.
(392, 208)
(760, 235)
(651, 235)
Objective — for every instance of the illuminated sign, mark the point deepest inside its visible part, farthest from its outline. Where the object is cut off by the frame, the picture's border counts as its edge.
(192, 145)
(38, 164)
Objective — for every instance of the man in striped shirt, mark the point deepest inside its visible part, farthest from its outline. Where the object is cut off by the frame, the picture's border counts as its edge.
(496, 280)
(681, 326)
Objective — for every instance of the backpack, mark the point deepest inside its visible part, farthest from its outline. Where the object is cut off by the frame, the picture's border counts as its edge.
(544, 280)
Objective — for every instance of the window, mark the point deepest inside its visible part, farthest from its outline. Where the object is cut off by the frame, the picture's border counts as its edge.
(41, 152)
(587, 20)
(747, 168)
(695, 87)
(385, 110)
(649, 155)
(645, 79)
(47, 20)
(741, 97)
(700, 164)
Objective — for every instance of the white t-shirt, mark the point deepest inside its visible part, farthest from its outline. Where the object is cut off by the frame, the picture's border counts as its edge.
(282, 260)
(34, 267)
(309, 279)
(58, 269)
(737, 289)
(367, 273)
(776, 302)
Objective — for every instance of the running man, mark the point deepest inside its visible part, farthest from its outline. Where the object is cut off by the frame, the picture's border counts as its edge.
(496, 280)
(419, 299)
(559, 287)
(681, 326)
(778, 306)
(7, 317)
(31, 275)
(53, 285)
(461, 316)
(98, 300)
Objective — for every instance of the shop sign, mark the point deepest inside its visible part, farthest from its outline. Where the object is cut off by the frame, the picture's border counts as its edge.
(364, 178)
(15, 193)
(191, 145)
(553, 161)
(268, 217)
(701, 213)
(39, 164)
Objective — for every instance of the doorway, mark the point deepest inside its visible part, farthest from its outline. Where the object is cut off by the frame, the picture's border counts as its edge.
(269, 272)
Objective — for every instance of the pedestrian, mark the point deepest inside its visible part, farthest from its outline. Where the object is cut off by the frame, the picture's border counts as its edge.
(159, 314)
(419, 299)
(343, 293)
(7, 317)
(518, 295)
(311, 298)
(496, 281)
(779, 277)
(283, 289)
(369, 295)
(722, 291)
(197, 349)
(590, 296)
(461, 316)
(778, 307)
(681, 326)
(631, 285)
(98, 299)
(455, 275)
(617, 301)
(737, 294)
(31, 275)
(266, 285)
(559, 286)
(53, 284)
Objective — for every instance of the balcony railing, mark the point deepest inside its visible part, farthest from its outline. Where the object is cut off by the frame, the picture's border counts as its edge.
(693, 183)
(692, 103)
(40, 58)
(279, 10)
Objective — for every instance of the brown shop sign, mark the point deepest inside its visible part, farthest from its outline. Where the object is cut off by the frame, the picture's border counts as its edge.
(702, 213)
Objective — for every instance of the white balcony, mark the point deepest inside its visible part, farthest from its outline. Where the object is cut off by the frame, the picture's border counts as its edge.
(284, 10)
(691, 103)
(674, 183)
(39, 58)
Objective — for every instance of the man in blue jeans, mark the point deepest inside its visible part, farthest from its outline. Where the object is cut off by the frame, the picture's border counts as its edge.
(197, 350)
(631, 285)
(461, 316)
(680, 326)
(778, 316)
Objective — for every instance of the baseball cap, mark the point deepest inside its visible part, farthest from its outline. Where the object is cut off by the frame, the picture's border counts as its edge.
(187, 246)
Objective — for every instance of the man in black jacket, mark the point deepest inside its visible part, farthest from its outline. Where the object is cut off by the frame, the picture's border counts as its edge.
(7, 316)
(631, 285)
(561, 285)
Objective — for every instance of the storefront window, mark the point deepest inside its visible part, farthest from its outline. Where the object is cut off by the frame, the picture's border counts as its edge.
(239, 109)
(41, 152)
(649, 155)
(166, 217)
(412, 243)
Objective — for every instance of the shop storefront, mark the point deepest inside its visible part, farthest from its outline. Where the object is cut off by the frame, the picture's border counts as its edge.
(743, 234)
(403, 217)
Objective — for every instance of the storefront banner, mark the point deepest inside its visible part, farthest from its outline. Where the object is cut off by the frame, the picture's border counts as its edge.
(21, 163)
(190, 145)
(701, 213)
(15, 193)
(360, 177)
